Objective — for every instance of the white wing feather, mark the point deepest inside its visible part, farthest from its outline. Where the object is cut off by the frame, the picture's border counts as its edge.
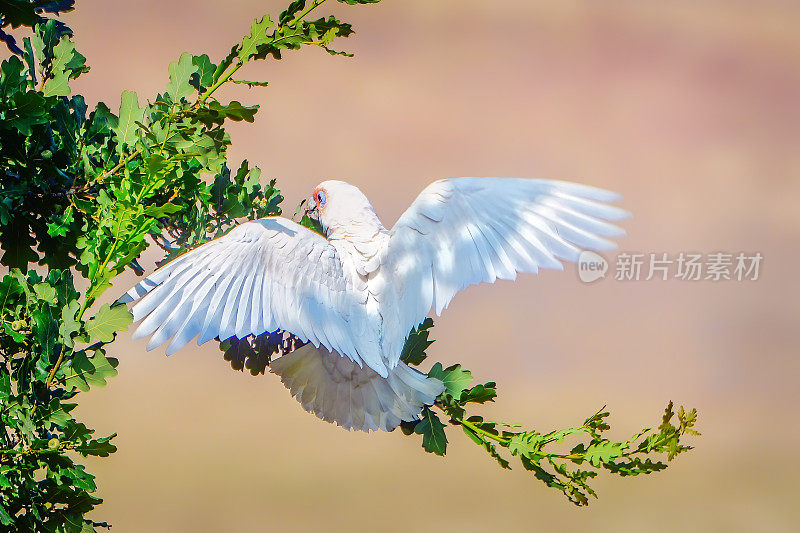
(263, 275)
(464, 231)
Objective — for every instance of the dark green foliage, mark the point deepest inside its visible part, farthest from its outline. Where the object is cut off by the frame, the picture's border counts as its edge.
(431, 428)
(84, 193)
(255, 354)
(416, 344)
(17, 13)
(308, 222)
(42, 368)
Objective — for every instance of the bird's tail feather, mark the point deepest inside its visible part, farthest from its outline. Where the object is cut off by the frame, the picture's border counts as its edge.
(338, 390)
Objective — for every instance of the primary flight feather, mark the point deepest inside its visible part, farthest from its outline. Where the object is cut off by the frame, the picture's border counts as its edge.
(355, 294)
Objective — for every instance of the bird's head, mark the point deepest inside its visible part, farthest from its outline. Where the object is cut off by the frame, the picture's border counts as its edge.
(342, 209)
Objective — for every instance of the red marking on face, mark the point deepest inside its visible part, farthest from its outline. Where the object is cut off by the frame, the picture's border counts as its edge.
(320, 197)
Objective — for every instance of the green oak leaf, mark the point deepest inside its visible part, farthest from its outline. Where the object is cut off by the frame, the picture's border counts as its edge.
(179, 74)
(235, 111)
(11, 77)
(107, 322)
(483, 393)
(216, 113)
(76, 431)
(236, 351)
(159, 211)
(56, 413)
(45, 332)
(431, 428)
(455, 380)
(312, 223)
(29, 109)
(203, 76)
(10, 288)
(288, 14)
(103, 122)
(45, 291)
(417, 342)
(129, 114)
(527, 444)
(101, 447)
(263, 349)
(67, 63)
(84, 372)
(603, 451)
(30, 59)
(257, 38)
(69, 325)
(80, 479)
(60, 225)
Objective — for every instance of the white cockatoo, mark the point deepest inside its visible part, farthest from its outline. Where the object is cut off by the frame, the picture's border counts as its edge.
(355, 294)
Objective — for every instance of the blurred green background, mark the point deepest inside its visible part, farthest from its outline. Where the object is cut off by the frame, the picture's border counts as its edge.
(688, 108)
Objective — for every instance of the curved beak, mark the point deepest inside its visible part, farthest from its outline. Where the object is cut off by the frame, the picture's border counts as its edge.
(311, 209)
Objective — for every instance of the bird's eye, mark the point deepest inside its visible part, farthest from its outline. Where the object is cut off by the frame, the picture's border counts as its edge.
(321, 198)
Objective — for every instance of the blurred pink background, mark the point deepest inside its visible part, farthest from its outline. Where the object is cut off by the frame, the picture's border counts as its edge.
(688, 108)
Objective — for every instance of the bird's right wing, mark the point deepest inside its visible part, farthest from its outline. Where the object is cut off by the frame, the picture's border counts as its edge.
(262, 276)
(463, 231)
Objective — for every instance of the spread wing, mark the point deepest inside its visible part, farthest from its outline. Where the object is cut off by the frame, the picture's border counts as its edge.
(464, 231)
(262, 276)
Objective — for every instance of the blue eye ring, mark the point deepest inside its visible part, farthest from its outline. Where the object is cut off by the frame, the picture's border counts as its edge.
(321, 198)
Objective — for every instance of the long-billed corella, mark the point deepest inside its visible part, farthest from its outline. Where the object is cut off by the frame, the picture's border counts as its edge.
(355, 294)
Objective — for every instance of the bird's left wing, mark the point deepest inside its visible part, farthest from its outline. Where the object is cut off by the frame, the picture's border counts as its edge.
(463, 231)
(263, 275)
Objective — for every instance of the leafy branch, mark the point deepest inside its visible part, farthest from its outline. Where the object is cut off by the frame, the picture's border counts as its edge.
(568, 471)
